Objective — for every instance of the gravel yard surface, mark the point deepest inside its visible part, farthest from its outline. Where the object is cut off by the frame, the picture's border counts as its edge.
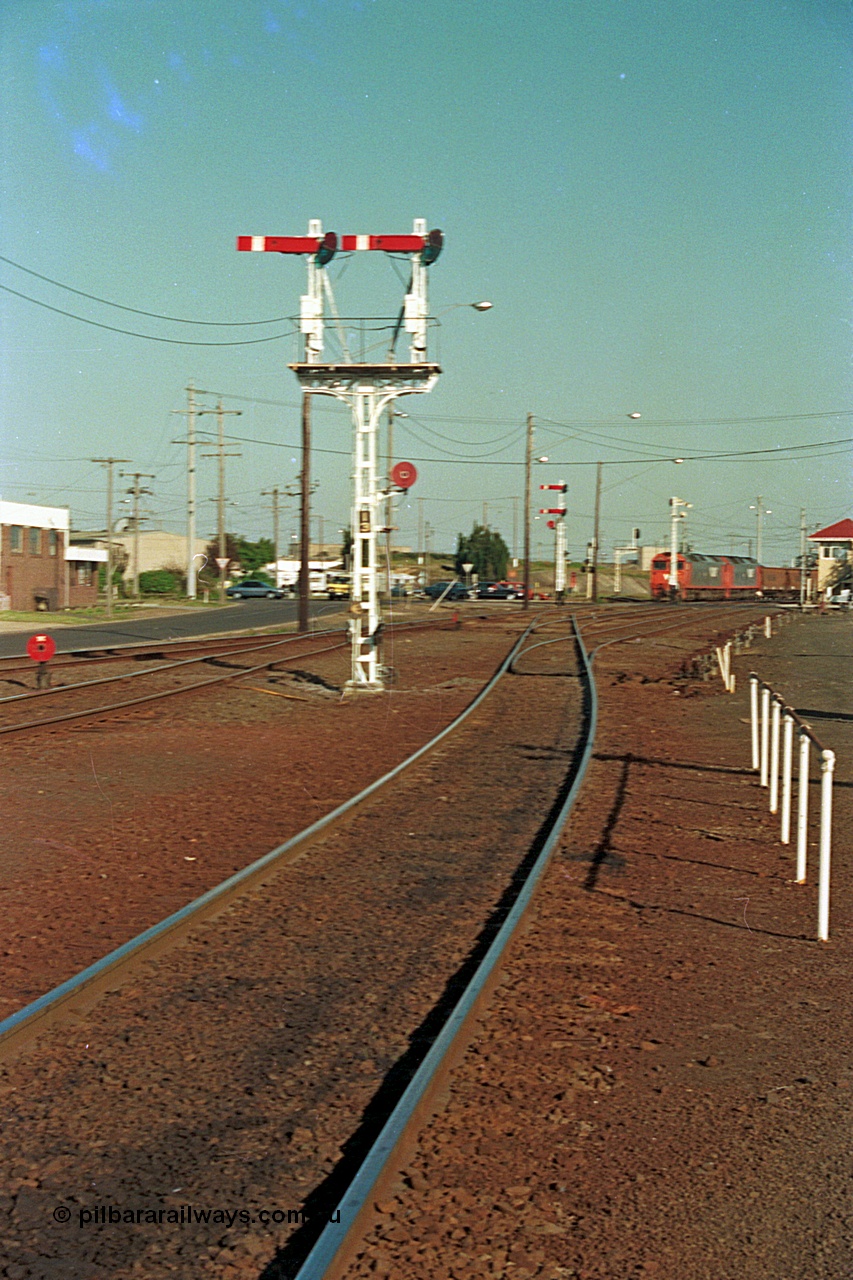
(662, 1086)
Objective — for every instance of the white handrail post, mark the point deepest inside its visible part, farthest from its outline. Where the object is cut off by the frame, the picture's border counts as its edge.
(827, 768)
(787, 753)
(753, 716)
(803, 808)
(774, 757)
(765, 734)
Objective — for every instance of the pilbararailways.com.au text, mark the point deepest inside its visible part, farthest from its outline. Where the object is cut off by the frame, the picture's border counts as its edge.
(104, 1215)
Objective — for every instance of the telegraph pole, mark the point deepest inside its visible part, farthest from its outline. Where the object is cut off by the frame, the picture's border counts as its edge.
(275, 494)
(595, 533)
(136, 476)
(305, 513)
(803, 574)
(109, 463)
(528, 466)
(389, 501)
(220, 503)
(190, 413)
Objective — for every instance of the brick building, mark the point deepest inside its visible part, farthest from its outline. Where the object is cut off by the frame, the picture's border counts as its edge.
(38, 568)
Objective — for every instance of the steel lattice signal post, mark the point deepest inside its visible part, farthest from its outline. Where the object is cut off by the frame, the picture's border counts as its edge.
(368, 388)
(559, 526)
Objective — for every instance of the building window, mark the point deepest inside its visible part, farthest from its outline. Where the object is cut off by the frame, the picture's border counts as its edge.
(53, 542)
(35, 542)
(84, 573)
(16, 537)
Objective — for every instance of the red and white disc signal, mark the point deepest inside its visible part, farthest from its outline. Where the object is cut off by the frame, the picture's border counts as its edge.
(404, 475)
(41, 648)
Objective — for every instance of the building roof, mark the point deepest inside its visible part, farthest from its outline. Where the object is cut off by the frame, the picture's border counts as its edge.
(36, 517)
(842, 529)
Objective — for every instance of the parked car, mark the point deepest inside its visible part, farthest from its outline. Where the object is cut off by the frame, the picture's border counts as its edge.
(339, 586)
(499, 591)
(254, 587)
(458, 591)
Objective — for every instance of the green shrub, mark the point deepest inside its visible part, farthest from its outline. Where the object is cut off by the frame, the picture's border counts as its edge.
(158, 582)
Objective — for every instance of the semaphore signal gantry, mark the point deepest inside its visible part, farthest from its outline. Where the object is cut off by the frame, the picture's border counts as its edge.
(558, 524)
(368, 387)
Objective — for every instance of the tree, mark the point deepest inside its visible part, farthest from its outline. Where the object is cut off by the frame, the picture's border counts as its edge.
(486, 550)
(209, 573)
(253, 555)
(246, 558)
(346, 546)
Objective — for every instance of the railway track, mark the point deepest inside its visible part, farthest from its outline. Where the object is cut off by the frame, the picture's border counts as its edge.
(288, 980)
(172, 677)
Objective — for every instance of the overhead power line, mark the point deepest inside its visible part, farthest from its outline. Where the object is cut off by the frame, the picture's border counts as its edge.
(155, 315)
(781, 454)
(149, 337)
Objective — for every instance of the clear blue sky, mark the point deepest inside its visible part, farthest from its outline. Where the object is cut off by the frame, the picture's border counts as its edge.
(654, 194)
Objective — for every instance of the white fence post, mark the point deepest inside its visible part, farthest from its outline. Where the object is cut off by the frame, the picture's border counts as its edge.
(827, 768)
(753, 715)
(768, 627)
(787, 753)
(765, 734)
(803, 808)
(774, 757)
(765, 755)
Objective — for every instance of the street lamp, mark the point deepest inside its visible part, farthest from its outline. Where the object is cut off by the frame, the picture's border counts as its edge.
(475, 306)
(760, 511)
(677, 515)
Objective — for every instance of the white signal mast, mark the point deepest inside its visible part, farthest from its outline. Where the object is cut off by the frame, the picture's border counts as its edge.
(558, 524)
(368, 387)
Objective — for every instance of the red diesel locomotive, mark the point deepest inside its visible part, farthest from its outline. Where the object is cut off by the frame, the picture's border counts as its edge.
(703, 577)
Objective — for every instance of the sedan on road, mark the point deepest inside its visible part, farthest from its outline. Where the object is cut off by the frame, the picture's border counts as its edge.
(499, 591)
(456, 591)
(252, 588)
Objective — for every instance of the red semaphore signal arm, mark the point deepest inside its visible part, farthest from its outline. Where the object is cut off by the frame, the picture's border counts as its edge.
(311, 244)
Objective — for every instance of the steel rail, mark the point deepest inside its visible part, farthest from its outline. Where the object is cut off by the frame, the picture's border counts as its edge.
(164, 666)
(81, 655)
(162, 693)
(103, 974)
(197, 685)
(211, 648)
(334, 1250)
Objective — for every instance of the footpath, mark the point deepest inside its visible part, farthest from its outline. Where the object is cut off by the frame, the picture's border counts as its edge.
(662, 1086)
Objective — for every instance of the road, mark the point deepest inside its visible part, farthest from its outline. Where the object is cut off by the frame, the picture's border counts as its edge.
(191, 622)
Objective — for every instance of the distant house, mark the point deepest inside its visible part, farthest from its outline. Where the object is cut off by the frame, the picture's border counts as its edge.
(38, 567)
(835, 547)
(158, 549)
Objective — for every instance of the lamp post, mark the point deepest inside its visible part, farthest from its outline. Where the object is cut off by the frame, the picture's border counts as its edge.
(760, 511)
(675, 516)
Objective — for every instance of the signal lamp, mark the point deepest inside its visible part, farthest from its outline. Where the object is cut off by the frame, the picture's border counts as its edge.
(432, 247)
(328, 249)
